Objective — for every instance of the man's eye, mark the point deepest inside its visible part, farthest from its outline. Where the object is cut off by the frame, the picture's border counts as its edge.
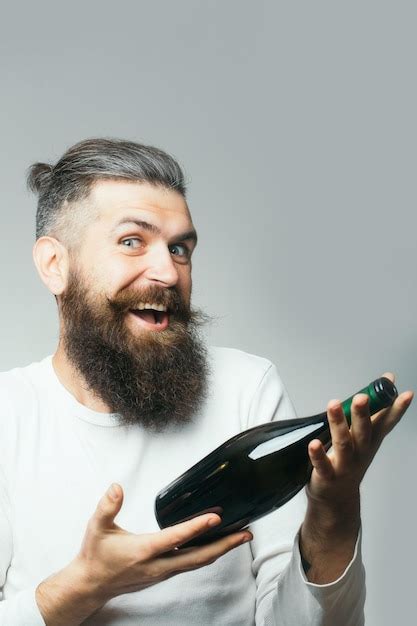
(179, 249)
(132, 242)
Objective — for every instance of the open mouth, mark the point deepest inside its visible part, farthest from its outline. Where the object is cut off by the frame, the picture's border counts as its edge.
(150, 318)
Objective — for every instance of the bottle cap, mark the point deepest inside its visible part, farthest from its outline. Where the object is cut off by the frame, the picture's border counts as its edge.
(385, 390)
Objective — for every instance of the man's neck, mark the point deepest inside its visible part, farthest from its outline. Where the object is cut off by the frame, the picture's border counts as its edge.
(70, 378)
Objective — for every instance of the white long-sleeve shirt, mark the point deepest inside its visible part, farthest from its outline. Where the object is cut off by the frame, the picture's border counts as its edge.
(58, 457)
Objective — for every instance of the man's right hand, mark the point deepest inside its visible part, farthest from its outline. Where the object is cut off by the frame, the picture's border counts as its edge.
(113, 561)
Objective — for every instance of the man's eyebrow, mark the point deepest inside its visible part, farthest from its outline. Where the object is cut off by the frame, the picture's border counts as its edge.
(189, 235)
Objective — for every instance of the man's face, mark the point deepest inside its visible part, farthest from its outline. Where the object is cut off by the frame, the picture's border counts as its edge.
(141, 241)
(127, 322)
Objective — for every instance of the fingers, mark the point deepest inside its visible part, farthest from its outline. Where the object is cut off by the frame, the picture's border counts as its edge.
(361, 428)
(193, 558)
(108, 507)
(388, 418)
(390, 376)
(340, 434)
(174, 536)
(320, 460)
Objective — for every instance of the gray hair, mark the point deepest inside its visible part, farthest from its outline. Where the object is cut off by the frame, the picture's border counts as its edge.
(70, 180)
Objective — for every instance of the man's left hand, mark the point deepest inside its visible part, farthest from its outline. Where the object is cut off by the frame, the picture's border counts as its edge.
(337, 475)
(329, 532)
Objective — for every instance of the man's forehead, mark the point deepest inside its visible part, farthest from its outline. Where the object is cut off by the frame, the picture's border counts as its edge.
(113, 198)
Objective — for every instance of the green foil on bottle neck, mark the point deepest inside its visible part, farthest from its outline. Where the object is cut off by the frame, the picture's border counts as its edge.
(375, 404)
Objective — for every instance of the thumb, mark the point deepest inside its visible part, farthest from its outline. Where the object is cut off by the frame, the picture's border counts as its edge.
(109, 506)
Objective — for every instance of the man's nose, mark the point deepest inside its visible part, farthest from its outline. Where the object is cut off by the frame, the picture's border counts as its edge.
(161, 267)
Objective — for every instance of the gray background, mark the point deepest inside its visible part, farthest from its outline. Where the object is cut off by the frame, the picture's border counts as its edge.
(295, 123)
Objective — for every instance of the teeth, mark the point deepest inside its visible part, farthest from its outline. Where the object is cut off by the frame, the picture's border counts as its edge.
(156, 307)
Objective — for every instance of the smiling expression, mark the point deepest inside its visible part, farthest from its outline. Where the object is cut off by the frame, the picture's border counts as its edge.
(142, 238)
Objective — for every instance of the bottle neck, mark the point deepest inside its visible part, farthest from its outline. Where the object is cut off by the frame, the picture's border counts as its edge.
(381, 393)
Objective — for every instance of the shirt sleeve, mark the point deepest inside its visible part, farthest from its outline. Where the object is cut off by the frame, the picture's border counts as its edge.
(22, 608)
(284, 596)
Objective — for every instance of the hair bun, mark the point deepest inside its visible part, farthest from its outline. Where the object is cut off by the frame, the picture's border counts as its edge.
(38, 176)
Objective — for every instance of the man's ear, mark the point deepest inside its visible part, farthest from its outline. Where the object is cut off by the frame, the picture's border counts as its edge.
(52, 262)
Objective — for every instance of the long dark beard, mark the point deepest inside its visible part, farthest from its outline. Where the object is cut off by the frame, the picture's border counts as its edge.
(156, 379)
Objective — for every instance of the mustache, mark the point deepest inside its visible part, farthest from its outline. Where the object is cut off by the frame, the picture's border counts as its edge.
(72, 304)
(130, 298)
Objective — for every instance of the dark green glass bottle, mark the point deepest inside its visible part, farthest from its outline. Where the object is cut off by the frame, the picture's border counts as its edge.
(255, 472)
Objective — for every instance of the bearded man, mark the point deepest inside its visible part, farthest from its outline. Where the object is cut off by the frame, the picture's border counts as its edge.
(130, 399)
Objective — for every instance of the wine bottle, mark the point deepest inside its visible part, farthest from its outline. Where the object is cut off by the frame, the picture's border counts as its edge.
(256, 471)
